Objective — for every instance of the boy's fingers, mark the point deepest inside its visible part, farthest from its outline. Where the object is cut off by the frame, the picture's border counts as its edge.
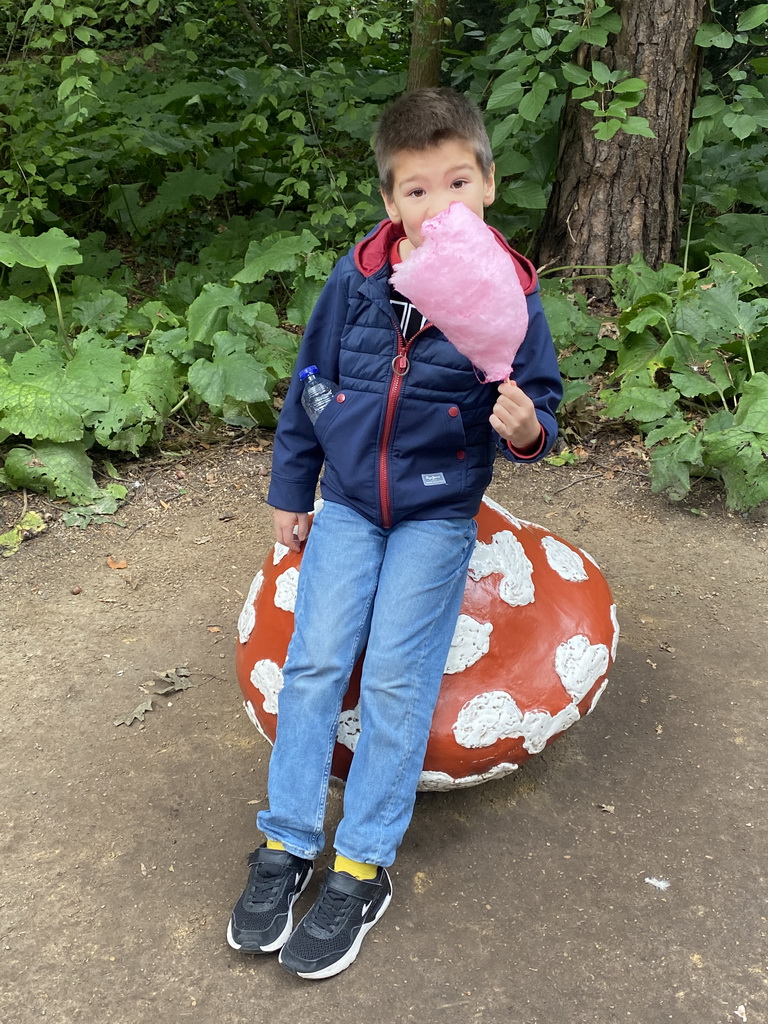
(302, 527)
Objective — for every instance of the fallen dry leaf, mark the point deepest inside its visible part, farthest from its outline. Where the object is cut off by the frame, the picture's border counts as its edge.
(214, 629)
(116, 563)
(137, 714)
(607, 808)
(176, 680)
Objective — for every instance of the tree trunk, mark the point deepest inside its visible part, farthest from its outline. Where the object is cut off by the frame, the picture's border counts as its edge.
(426, 42)
(613, 199)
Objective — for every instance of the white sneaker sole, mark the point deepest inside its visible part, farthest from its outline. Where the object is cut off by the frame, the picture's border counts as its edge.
(280, 941)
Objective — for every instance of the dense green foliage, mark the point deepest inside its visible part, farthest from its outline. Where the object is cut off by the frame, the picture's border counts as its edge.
(176, 181)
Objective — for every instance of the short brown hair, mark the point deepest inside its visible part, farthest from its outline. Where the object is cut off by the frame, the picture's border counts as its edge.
(424, 118)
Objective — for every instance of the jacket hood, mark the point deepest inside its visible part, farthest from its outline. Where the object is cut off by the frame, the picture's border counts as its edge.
(372, 253)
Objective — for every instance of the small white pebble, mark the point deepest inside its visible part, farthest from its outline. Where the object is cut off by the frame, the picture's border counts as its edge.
(659, 883)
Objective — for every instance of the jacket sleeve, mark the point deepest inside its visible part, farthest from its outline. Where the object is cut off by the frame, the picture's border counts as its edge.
(536, 372)
(298, 457)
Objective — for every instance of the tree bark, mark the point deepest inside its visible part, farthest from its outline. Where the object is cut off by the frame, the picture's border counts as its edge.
(613, 199)
(426, 44)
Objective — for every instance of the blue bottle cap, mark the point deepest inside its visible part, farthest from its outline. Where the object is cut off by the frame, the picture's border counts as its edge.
(306, 372)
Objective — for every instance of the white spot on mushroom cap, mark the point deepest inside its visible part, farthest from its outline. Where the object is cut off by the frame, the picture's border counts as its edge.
(502, 511)
(471, 640)
(247, 619)
(267, 677)
(579, 664)
(538, 727)
(494, 716)
(348, 732)
(443, 781)
(285, 589)
(589, 557)
(505, 555)
(598, 694)
(564, 560)
(615, 641)
(486, 718)
(279, 552)
(249, 710)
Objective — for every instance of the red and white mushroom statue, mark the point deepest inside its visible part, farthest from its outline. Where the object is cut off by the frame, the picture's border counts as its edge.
(536, 638)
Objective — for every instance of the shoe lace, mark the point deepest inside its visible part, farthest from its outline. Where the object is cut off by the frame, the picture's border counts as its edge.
(265, 881)
(331, 909)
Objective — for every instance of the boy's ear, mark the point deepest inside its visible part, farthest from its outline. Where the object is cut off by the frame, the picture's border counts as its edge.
(489, 193)
(392, 212)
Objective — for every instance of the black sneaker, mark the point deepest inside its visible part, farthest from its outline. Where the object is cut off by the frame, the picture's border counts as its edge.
(328, 938)
(263, 916)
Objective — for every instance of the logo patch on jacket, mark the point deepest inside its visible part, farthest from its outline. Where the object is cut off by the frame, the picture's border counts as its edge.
(432, 479)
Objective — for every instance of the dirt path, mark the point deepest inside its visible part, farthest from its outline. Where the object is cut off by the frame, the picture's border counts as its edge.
(521, 900)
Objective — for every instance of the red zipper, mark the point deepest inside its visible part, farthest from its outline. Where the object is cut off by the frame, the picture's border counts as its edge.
(400, 368)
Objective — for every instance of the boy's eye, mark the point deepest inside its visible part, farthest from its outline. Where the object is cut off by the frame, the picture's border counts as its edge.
(459, 183)
(417, 193)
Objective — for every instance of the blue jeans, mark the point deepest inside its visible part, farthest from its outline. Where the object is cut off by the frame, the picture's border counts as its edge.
(399, 591)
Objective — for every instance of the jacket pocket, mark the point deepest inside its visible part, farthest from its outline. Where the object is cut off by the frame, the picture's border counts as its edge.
(347, 430)
(429, 454)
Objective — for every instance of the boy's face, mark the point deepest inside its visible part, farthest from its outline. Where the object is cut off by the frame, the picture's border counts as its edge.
(426, 182)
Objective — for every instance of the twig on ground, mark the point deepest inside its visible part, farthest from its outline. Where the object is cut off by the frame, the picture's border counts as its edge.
(578, 480)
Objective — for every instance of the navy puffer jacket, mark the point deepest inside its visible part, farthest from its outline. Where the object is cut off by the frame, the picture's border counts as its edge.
(408, 437)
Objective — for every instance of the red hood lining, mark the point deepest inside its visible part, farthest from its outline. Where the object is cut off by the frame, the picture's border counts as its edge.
(372, 253)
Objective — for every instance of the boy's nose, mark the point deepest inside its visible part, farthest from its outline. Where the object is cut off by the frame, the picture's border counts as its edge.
(439, 204)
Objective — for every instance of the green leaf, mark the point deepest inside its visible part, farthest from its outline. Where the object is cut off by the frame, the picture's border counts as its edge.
(233, 373)
(275, 254)
(59, 470)
(606, 130)
(601, 72)
(505, 95)
(669, 430)
(527, 195)
(709, 106)
(671, 465)
(533, 102)
(575, 74)
(30, 524)
(639, 403)
(19, 315)
(752, 413)
(744, 270)
(638, 126)
(52, 250)
(103, 313)
(752, 17)
(652, 309)
(36, 407)
(742, 461)
(303, 302)
(208, 313)
(742, 125)
(713, 34)
(630, 85)
(636, 352)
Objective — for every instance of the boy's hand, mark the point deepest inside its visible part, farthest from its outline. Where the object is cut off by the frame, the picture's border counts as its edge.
(514, 417)
(291, 528)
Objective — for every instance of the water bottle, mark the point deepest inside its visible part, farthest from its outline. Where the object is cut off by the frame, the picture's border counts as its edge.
(317, 393)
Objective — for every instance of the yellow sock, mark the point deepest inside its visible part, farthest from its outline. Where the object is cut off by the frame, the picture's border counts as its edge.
(274, 844)
(365, 872)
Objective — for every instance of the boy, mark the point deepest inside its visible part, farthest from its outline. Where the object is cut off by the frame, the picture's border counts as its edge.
(408, 448)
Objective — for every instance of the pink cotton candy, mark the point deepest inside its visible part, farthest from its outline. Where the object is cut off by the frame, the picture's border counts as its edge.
(462, 280)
